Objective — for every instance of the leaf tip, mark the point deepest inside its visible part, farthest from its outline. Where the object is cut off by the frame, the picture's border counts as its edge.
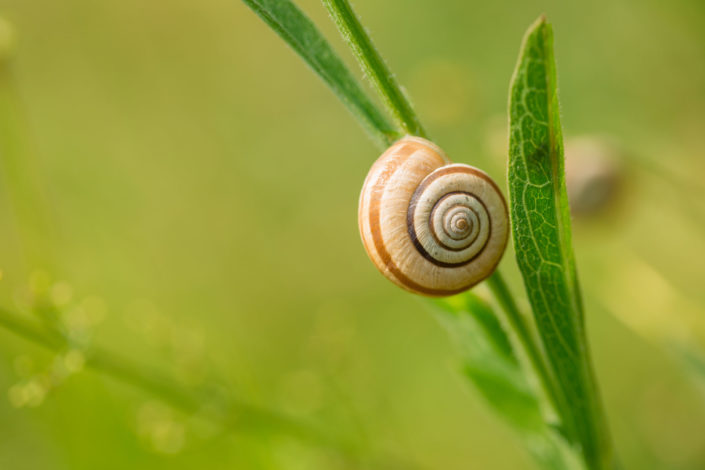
(539, 34)
(540, 24)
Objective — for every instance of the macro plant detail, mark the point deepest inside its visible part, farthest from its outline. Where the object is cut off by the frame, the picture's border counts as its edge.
(428, 244)
(192, 234)
(542, 234)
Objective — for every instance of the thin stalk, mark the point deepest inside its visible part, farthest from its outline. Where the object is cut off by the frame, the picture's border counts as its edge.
(297, 30)
(527, 342)
(231, 414)
(29, 331)
(374, 66)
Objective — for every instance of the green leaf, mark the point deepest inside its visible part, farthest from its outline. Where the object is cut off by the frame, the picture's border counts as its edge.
(542, 237)
(297, 30)
(374, 66)
(491, 364)
(489, 361)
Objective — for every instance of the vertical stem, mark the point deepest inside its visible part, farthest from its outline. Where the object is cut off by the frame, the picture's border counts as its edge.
(527, 342)
(374, 66)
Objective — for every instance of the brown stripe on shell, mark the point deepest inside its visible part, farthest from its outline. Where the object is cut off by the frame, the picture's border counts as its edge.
(374, 221)
(401, 149)
(461, 169)
(442, 172)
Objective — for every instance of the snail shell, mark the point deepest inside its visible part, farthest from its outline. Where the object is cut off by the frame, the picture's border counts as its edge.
(430, 226)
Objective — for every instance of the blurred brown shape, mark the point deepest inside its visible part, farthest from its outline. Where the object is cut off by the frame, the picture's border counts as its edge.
(594, 175)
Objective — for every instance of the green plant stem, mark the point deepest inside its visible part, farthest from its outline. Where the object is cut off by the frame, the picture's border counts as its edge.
(527, 342)
(126, 371)
(299, 32)
(230, 414)
(224, 411)
(374, 66)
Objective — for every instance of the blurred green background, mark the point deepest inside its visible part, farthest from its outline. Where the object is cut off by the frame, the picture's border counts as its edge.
(191, 202)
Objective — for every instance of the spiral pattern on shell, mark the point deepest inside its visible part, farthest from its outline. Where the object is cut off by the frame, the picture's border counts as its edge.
(432, 227)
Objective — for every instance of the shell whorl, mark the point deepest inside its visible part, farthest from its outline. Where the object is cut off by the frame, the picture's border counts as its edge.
(432, 227)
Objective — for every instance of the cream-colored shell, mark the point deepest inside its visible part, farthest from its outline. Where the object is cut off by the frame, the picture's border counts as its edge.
(432, 227)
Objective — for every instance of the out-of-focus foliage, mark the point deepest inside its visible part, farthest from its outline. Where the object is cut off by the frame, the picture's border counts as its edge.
(201, 199)
(489, 361)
